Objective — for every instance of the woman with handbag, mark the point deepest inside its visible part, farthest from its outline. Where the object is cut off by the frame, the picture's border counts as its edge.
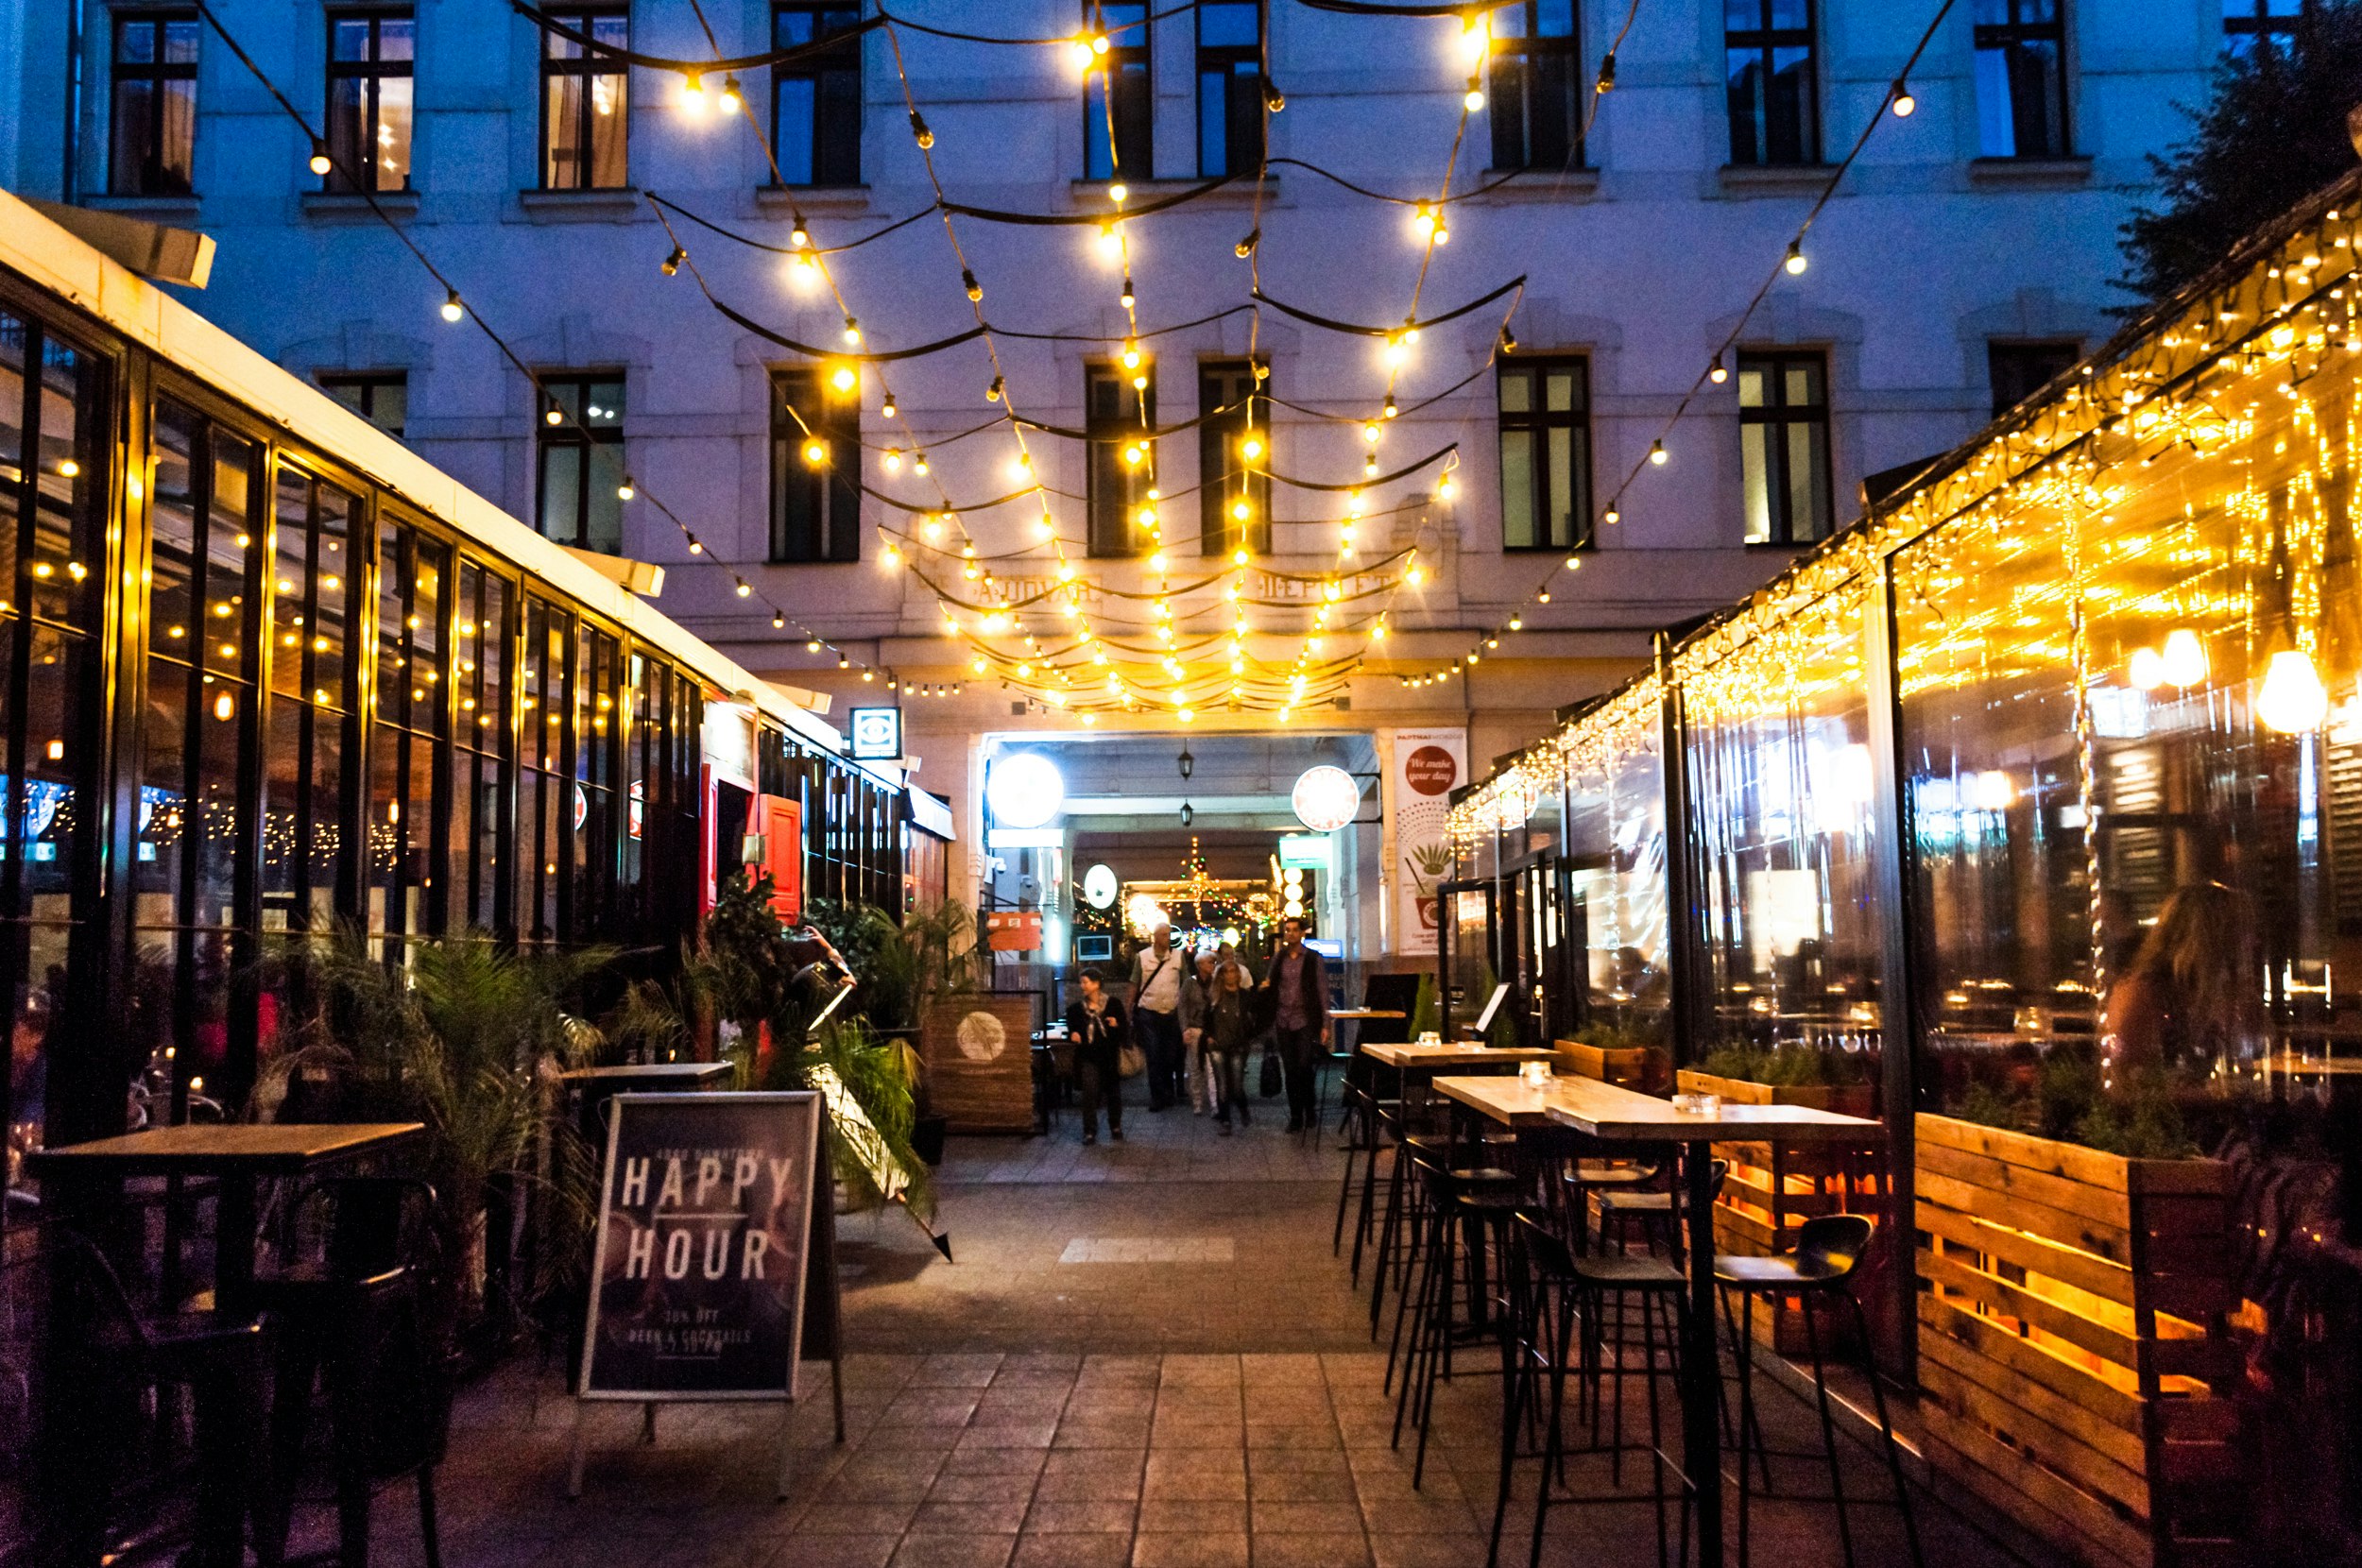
(1229, 1035)
(1096, 1023)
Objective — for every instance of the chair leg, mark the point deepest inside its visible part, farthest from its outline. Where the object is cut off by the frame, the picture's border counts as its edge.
(1345, 1189)
(1746, 1341)
(1368, 1206)
(1656, 1426)
(1554, 1446)
(1513, 1355)
(1395, 1177)
(1828, 1427)
(1415, 1307)
(1886, 1432)
(430, 1534)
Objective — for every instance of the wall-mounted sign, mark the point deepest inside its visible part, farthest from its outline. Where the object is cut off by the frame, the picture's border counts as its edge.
(876, 733)
(1100, 886)
(1024, 838)
(1013, 930)
(1428, 764)
(697, 1279)
(1326, 798)
(1305, 852)
(1024, 790)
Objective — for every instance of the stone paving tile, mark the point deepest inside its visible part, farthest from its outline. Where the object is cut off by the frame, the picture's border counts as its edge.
(1189, 1549)
(1078, 1550)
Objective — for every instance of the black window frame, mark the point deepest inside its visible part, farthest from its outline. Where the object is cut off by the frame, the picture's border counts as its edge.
(586, 65)
(1536, 420)
(831, 139)
(577, 433)
(1234, 73)
(1111, 507)
(1523, 66)
(1229, 384)
(150, 176)
(2017, 39)
(372, 73)
(2016, 368)
(815, 512)
(2255, 23)
(365, 386)
(1765, 41)
(1774, 365)
(1123, 128)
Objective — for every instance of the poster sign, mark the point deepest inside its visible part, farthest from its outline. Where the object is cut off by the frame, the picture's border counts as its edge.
(697, 1277)
(876, 733)
(1428, 764)
(1013, 930)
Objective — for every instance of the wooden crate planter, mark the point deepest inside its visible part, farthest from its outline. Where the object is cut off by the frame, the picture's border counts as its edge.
(978, 1051)
(1643, 1068)
(2074, 1368)
(1773, 1189)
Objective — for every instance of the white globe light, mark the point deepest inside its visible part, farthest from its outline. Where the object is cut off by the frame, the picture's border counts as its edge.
(1024, 790)
(1326, 798)
(1100, 887)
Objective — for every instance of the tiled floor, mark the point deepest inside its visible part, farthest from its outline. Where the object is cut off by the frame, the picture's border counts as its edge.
(1144, 1355)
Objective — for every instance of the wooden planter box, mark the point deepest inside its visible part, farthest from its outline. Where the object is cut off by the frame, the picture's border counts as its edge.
(2074, 1367)
(1773, 1189)
(1643, 1068)
(978, 1051)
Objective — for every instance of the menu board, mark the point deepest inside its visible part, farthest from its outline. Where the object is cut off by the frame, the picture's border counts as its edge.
(698, 1272)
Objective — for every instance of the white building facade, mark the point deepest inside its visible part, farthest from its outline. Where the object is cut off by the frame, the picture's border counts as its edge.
(1965, 258)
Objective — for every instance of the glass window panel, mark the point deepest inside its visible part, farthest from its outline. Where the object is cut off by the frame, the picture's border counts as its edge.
(390, 701)
(1517, 488)
(390, 149)
(325, 849)
(422, 903)
(462, 843)
(1562, 469)
(284, 774)
(328, 628)
(424, 624)
(1516, 392)
(172, 527)
(164, 828)
(67, 543)
(230, 547)
(1803, 480)
(1559, 391)
(387, 773)
(290, 577)
(797, 98)
(1755, 484)
(226, 706)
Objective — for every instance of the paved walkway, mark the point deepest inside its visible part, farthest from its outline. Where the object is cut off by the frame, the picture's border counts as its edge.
(1143, 1355)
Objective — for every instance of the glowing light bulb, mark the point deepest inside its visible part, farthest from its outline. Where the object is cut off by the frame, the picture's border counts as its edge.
(692, 94)
(1795, 262)
(2184, 659)
(1446, 488)
(2293, 698)
(1904, 105)
(625, 490)
(321, 163)
(1146, 517)
(1133, 453)
(1369, 433)
(2147, 670)
(1240, 556)
(1251, 448)
(745, 590)
(844, 378)
(730, 101)
(1397, 351)
(1117, 191)
(1719, 372)
(892, 460)
(1474, 99)
(1240, 510)
(1424, 220)
(853, 332)
(815, 453)
(1657, 454)
(1080, 53)
(453, 309)
(1475, 39)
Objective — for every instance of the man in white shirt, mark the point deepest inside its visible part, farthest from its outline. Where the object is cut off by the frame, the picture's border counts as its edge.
(1156, 975)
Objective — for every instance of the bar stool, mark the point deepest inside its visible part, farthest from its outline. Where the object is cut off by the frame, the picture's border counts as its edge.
(1468, 1215)
(1364, 1109)
(1583, 1179)
(1659, 1213)
(1829, 1252)
(1562, 1299)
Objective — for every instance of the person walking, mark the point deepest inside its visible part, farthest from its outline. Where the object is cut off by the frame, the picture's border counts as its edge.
(1196, 991)
(1230, 1036)
(1296, 985)
(1156, 974)
(1096, 1023)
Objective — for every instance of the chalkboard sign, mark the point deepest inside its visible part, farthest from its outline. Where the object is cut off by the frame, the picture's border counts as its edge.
(705, 1219)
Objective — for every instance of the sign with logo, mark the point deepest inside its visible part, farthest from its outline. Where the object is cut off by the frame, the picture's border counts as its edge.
(1100, 886)
(1013, 930)
(1428, 764)
(1326, 798)
(875, 733)
(1304, 852)
(698, 1272)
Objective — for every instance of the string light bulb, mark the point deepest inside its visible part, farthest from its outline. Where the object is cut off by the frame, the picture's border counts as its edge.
(453, 309)
(671, 265)
(1474, 99)
(321, 163)
(745, 590)
(1904, 105)
(853, 332)
(1718, 372)
(1658, 455)
(2293, 700)
(1131, 353)
(692, 94)
(920, 133)
(992, 393)
(1245, 247)
(731, 102)
(798, 237)
(844, 378)
(967, 280)
(625, 490)
(1795, 262)
(778, 622)
(816, 451)
(1251, 446)
(892, 460)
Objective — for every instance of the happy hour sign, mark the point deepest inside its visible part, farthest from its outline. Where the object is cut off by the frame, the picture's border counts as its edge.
(697, 1279)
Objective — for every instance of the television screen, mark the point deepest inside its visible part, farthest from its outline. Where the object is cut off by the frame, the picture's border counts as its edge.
(1094, 949)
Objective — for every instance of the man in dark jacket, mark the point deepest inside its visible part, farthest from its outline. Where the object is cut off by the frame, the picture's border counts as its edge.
(1296, 991)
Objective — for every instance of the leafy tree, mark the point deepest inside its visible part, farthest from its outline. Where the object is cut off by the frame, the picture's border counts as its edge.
(2271, 132)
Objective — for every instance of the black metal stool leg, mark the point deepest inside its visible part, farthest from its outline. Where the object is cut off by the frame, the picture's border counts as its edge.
(1886, 1432)
(1828, 1427)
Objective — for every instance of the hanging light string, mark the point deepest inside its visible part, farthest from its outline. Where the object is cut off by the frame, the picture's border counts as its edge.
(455, 309)
(1791, 263)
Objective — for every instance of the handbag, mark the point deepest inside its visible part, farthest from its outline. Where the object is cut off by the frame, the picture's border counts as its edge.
(1269, 1084)
(1131, 1060)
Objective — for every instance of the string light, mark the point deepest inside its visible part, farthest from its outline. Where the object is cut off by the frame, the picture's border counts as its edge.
(453, 309)
(321, 163)
(1904, 105)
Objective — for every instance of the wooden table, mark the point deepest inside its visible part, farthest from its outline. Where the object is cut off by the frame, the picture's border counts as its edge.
(1611, 1114)
(1414, 1061)
(592, 1087)
(239, 1157)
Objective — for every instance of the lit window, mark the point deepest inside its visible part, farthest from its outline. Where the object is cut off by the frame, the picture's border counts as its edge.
(153, 133)
(1783, 447)
(369, 62)
(584, 105)
(1535, 106)
(582, 460)
(1118, 99)
(2021, 79)
(1545, 454)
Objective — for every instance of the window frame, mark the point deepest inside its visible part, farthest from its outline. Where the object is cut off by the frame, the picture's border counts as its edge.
(1774, 363)
(584, 63)
(1996, 348)
(1537, 419)
(573, 434)
(1109, 527)
(1125, 50)
(1765, 41)
(829, 537)
(1516, 55)
(1220, 62)
(367, 384)
(148, 177)
(835, 150)
(372, 73)
(2260, 25)
(1221, 480)
(2009, 38)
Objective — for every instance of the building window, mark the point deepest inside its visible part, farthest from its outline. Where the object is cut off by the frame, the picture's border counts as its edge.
(815, 102)
(1545, 454)
(1229, 87)
(1118, 100)
(381, 398)
(582, 460)
(1784, 446)
(816, 505)
(2021, 79)
(369, 60)
(584, 105)
(2270, 24)
(1116, 415)
(2021, 370)
(153, 134)
(1775, 115)
(1229, 409)
(1537, 123)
